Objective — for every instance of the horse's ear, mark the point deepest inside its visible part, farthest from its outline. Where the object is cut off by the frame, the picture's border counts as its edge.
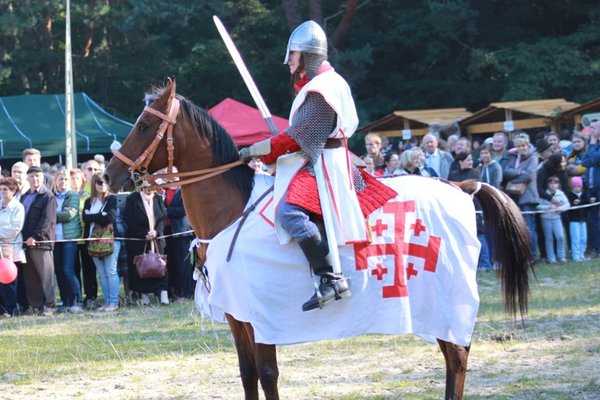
(171, 87)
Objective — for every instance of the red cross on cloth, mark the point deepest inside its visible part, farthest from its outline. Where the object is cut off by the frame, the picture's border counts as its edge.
(418, 227)
(379, 227)
(379, 271)
(398, 250)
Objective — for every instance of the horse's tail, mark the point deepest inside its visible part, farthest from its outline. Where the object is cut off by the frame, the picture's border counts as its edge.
(511, 244)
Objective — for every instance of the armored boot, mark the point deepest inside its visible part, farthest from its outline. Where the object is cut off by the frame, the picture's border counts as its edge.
(331, 286)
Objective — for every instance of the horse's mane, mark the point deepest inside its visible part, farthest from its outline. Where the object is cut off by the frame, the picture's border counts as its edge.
(223, 148)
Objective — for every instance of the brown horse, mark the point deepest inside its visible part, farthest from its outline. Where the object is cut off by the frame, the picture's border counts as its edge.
(216, 187)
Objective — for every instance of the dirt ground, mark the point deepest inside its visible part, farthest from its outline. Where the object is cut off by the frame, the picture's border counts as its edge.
(364, 368)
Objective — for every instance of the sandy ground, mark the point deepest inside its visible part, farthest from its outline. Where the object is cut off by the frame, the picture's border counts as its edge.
(368, 367)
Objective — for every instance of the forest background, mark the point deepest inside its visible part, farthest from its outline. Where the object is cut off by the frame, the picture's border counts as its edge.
(396, 54)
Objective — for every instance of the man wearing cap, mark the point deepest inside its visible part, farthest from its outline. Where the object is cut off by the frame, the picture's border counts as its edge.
(544, 150)
(322, 118)
(40, 219)
(591, 160)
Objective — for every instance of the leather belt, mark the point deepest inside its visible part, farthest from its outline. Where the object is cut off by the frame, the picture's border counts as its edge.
(334, 143)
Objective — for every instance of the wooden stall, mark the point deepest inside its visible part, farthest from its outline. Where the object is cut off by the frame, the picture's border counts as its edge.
(516, 115)
(413, 122)
(591, 109)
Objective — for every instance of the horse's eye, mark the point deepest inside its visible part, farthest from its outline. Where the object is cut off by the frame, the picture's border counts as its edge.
(142, 127)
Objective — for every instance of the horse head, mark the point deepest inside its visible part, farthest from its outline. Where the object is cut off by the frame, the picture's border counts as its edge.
(144, 151)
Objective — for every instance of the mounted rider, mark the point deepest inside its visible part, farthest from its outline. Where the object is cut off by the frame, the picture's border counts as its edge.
(322, 118)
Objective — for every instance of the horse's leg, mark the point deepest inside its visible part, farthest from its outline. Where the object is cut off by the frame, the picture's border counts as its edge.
(266, 362)
(245, 352)
(456, 368)
(265, 357)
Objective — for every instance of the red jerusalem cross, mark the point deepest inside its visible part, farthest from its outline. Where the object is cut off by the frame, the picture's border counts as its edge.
(398, 249)
(363, 251)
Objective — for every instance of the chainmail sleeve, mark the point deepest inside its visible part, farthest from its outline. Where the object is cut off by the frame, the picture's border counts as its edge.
(312, 124)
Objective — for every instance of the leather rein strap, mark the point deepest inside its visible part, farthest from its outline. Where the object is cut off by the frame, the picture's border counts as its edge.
(139, 167)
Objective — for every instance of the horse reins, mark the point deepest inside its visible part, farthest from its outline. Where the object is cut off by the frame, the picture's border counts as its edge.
(139, 168)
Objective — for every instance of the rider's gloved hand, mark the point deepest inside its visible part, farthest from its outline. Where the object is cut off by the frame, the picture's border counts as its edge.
(256, 150)
(245, 155)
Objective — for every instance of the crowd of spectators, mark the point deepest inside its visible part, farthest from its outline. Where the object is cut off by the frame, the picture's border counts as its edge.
(558, 176)
(48, 213)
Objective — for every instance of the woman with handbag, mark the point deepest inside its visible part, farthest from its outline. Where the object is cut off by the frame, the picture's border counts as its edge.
(145, 216)
(12, 216)
(99, 214)
(520, 174)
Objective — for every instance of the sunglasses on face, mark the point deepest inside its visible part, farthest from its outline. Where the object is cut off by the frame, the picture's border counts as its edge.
(100, 182)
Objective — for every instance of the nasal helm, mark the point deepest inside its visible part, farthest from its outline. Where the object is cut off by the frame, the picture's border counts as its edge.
(308, 37)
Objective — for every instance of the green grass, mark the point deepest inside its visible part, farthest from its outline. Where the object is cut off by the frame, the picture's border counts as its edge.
(164, 353)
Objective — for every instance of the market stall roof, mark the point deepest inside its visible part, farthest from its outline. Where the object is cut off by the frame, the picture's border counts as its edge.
(590, 108)
(39, 121)
(418, 121)
(244, 123)
(511, 115)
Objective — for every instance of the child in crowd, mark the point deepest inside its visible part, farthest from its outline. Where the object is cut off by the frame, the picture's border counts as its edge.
(551, 221)
(577, 218)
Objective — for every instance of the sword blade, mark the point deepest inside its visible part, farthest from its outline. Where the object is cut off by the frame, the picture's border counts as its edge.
(241, 66)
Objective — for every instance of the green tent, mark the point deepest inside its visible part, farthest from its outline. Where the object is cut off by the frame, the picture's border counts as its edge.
(39, 121)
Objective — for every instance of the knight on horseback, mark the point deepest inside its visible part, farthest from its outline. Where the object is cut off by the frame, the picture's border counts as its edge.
(322, 118)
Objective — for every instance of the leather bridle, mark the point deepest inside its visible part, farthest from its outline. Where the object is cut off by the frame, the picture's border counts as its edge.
(139, 168)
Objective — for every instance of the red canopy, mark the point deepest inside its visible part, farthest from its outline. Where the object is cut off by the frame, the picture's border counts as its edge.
(244, 123)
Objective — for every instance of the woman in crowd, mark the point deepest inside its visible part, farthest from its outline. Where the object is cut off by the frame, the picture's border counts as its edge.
(464, 172)
(179, 266)
(491, 171)
(555, 165)
(77, 181)
(574, 164)
(145, 215)
(101, 209)
(521, 167)
(370, 164)
(391, 161)
(68, 227)
(412, 162)
(12, 216)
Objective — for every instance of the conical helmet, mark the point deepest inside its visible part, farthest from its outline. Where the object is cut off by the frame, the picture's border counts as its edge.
(308, 37)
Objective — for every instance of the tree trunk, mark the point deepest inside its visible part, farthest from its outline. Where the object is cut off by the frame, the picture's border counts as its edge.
(292, 13)
(342, 30)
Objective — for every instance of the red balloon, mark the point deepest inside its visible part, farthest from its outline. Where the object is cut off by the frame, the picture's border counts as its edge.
(8, 271)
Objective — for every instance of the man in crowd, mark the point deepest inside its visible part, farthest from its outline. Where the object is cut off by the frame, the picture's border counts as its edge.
(33, 158)
(591, 160)
(499, 148)
(373, 148)
(435, 158)
(40, 219)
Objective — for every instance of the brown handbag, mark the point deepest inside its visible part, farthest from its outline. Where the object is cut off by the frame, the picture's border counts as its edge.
(150, 265)
(515, 188)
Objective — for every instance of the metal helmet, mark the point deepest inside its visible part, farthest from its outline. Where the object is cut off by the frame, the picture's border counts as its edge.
(308, 37)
